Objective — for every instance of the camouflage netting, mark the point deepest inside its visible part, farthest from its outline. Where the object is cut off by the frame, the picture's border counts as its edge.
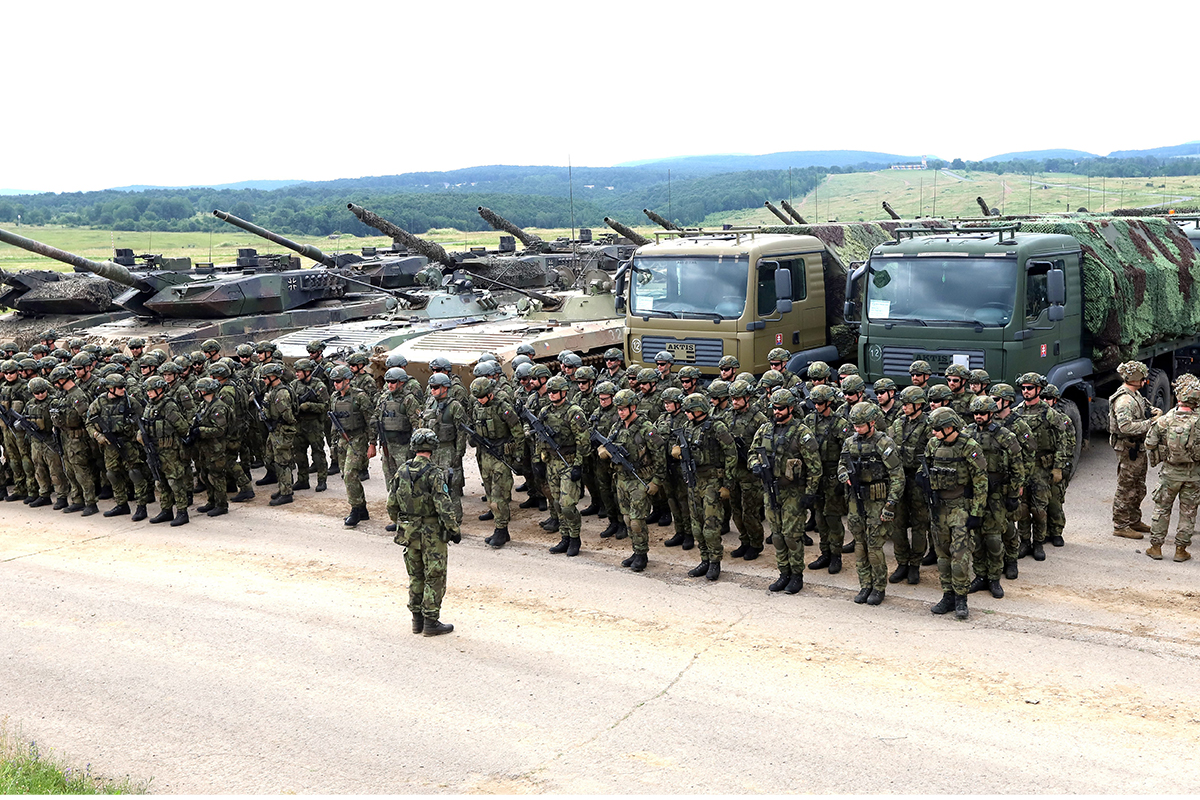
(1138, 279)
(71, 294)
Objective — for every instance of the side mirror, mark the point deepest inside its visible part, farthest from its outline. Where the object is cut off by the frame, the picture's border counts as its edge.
(783, 291)
(619, 303)
(1056, 287)
(851, 308)
(1056, 313)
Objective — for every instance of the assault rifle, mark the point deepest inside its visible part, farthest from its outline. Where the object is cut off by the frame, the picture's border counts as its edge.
(337, 423)
(262, 413)
(542, 432)
(766, 473)
(854, 470)
(925, 482)
(150, 445)
(22, 422)
(687, 464)
(618, 453)
(478, 440)
(383, 442)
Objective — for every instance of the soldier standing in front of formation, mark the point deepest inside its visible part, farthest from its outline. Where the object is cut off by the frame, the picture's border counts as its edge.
(443, 415)
(350, 408)
(871, 470)
(746, 503)
(785, 454)
(636, 436)
(958, 477)
(563, 468)
(910, 432)
(1174, 442)
(1005, 476)
(501, 440)
(714, 457)
(167, 425)
(280, 413)
(1130, 416)
(213, 419)
(425, 522)
(830, 430)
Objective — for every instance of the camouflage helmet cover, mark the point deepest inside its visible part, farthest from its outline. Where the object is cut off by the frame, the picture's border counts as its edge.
(423, 439)
(1131, 371)
(625, 398)
(863, 412)
(782, 397)
(696, 402)
(984, 404)
(480, 387)
(912, 394)
(819, 370)
(945, 417)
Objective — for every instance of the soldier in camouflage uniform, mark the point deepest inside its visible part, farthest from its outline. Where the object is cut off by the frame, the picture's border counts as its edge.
(714, 456)
(397, 414)
(68, 411)
(13, 396)
(663, 361)
(637, 437)
(745, 489)
(777, 360)
(690, 381)
(873, 474)
(1130, 416)
(1005, 396)
(603, 419)
(443, 415)
(978, 382)
(500, 438)
(614, 369)
(425, 522)
(535, 379)
(214, 418)
(727, 369)
(112, 423)
(211, 349)
(1050, 459)
(830, 429)
(958, 473)
(312, 399)
(1005, 475)
(673, 419)
(885, 398)
(351, 409)
(1056, 517)
(785, 453)
(938, 396)
(584, 379)
(1174, 443)
(956, 378)
(563, 469)
(237, 399)
(165, 422)
(910, 432)
(279, 409)
(47, 461)
(650, 401)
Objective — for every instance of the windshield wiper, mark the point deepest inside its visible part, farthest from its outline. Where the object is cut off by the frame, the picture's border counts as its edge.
(902, 319)
(708, 314)
(662, 311)
(974, 322)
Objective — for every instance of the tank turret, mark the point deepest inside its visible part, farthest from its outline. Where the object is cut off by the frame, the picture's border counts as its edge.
(657, 220)
(627, 232)
(306, 250)
(795, 215)
(501, 224)
(782, 217)
(891, 211)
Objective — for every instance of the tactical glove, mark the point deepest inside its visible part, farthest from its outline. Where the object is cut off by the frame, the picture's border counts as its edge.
(652, 489)
(603, 453)
(974, 523)
(724, 493)
(1056, 475)
(576, 474)
(888, 514)
(456, 537)
(676, 453)
(1011, 503)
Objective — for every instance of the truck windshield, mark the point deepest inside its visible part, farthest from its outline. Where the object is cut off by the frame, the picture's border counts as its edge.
(930, 290)
(693, 285)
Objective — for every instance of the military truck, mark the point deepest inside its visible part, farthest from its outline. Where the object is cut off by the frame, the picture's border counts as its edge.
(703, 294)
(1068, 297)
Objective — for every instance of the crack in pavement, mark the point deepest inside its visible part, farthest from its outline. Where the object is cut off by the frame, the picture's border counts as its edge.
(60, 547)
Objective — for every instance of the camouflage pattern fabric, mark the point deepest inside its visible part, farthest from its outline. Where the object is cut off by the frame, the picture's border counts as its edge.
(69, 412)
(676, 489)
(798, 475)
(881, 478)
(912, 514)
(167, 424)
(1175, 442)
(425, 522)
(1005, 473)
(1133, 419)
(499, 423)
(311, 421)
(960, 469)
(830, 432)
(443, 418)
(280, 410)
(646, 452)
(715, 454)
(353, 409)
(746, 505)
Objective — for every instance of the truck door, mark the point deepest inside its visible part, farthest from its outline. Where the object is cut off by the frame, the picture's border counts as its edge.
(1043, 343)
(804, 326)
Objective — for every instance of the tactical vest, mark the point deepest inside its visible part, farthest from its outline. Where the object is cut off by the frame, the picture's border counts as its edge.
(162, 431)
(865, 451)
(913, 438)
(490, 423)
(444, 423)
(393, 420)
(947, 468)
(1143, 406)
(342, 407)
(1179, 439)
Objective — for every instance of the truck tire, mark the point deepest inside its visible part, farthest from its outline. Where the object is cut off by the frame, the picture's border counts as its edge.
(1158, 390)
(1069, 408)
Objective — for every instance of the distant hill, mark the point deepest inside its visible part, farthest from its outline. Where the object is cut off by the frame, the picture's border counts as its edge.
(1173, 151)
(1041, 155)
(709, 165)
(17, 191)
(264, 186)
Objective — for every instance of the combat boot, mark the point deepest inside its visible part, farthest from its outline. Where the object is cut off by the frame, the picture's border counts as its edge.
(752, 553)
(118, 510)
(835, 563)
(301, 484)
(499, 538)
(105, 493)
(551, 524)
(1010, 569)
(714, 570)
(1181, 553)
(725, 527)
(781, 583)
(808, 540)
(321, 485)
(573, 547)
(978, 585)
(3, 490)
(89, 510)
(914, 574)
(613, 524)
(180, 519)
(875, 597)
(862, 595)
(522, 487)
(59, 504)
(166, 515)
(900, 574)
(795, 583)
(698, 570)
(1056, 540)
(204, 509)
(418, 622)
(945, 605)
(268, 479)
(530, 502)
(665, 520)
(960, 607)
(390, 527)
(435, 628)
(629, 561)
(73, 508)
(282, 500)
(334, 469)
(12, 498)
(543, 504)
(139, 514)
(930, 558)
(591, 510)
(562, 545)
(688, 542)
(622, 532)
(740, 550)
(1155, 552)
(848, 547)
(487, 516)
(29, 498)
(640, 560)
(1128, 533)
(674, 541)
(1039, 553)
(1140, 526)
(364, 476)
(822, 561)
(219, 511)
(38, 502)
(655, 514)
(356, 516)
(996, 589)
(243, 496)
(1027, 548)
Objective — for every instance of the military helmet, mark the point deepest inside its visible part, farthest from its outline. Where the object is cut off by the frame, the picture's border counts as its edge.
(1050, 391)
(61, 353)
(94, 349)
(440, 364)
(726, 362)
(50, 333)
(105, 371)
(647, 376)
(395, 360)
(884, 385)
(526, 349)
(183, 362)
(558, 383)
(396, 375)
(197, 357)
(267, 370)
(136, 341)
(771, 379)
(740, 389)
(1003, 391)
(979, 376)
(920, 367)
(614, 353)
(625, 398)
(689, 373)
(61, 373)
(940, 393)
(847, 369)
(912, 394)
(984, 404)
(488, 357)
(305, 365)
(264, 347)
(124, 359)
(631, 372)
(748, 377)
(1188, 393)
(1035, 379)
(341, 373)
(606, 387)
(27, 364)
(945, 417)
(782, 397)
(154, 382)
(485, 369)
(219, 370)
(73, 344)
(523, 371)
(863, 413)
(519, 360)
(672, 394)
(663, 356)
(147, 361)
(315, 346)
(481, 387)
(49, 362)
(359, 360)
(571, 360)
(38, 385)
(822, 394)
(1129, 371)
(696, 402)
(585, 374)
(78, 361)
(245, 350)
(563, 354)
(819, 370)
(211, 346)
(107, 351)
(778, 354)
(39, 350)
(114, 382)
(540, 371)
(853, 383)
(439, 379)
(718, 390)
(207, 386)
(423, 439)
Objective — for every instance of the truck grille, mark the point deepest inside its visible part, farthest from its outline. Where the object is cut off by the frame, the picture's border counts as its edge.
(897, 360)
(708, 351)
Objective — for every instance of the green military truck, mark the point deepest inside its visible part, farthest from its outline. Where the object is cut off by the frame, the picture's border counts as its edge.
(1068, 297)
(704, 294)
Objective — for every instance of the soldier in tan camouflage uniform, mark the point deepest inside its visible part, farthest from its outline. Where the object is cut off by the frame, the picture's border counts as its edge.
(1130, 416)
(1174, 442)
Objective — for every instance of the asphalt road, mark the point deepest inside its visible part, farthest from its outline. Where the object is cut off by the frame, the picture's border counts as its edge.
(269, 652)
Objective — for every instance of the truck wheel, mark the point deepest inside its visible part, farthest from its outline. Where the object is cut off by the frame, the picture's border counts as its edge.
(1069, 408)
(1158, 390)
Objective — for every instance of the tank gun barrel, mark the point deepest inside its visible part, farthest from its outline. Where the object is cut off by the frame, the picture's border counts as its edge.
(551, 303)
(626, 231)
(783, 217)
(795, 215)
(891, 211)
(501, 224)
(306, 250)
(105, 269)
(657, 220)
(987, 212)
(417, 300)
(431, 250)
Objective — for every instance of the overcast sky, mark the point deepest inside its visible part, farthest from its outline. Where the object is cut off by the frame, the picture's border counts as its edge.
(110, 94)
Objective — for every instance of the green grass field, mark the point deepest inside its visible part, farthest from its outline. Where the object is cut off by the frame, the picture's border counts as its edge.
(912, 193)
(27, 769)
